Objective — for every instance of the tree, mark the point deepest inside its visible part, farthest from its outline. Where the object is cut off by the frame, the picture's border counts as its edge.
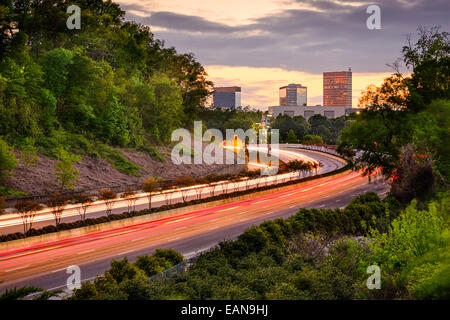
(130, 197)
(27, 211)
(429, 59)
(18, 293)
(299, 165)
(57, 203)
(108, 196)
(284, 123)
(211, 181)
(166, 185)
(149, 187)
(84, 203)
(394, 109)
(7, 159)
(312, 139)
(65, 173)
(291, 137)
(184, 182)
(28, 155)
(414, 177)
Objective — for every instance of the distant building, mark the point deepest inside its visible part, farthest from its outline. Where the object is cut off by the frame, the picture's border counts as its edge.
(307, 111)
(337, 88)
(293, 95)
(227, 97)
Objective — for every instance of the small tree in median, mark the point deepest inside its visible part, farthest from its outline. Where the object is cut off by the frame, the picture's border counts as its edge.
(108, 196)
(130, 196)
(211, 181)
(166, 185)
(149, 187)
(184, 182)
(57, 203)
(27, 211)
(84, 203)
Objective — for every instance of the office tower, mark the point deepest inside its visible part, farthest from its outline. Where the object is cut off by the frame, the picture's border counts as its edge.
(293, 95)
(337, 88)
(227, 97)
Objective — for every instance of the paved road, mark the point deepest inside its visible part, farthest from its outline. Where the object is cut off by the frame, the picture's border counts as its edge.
(11, 223)
(45, 265)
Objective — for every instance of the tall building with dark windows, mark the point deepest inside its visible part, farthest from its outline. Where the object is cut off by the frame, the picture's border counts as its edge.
(293, 95)
(337, 88)
(227, 97)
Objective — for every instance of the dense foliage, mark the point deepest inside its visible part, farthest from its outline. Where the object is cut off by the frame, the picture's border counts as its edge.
(317, 129)
(315, 254)
(405, 128)
(222, 118)
(110, 81)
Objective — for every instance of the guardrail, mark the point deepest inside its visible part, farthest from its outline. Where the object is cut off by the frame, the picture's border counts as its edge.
(178, 269)
(314, 148)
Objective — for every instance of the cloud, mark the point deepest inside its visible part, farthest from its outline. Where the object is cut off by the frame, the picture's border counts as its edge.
(306, 37)
(318, 35)
(186, 23)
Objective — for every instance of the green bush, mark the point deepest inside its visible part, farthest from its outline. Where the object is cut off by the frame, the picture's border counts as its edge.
(118, 161)
(8, 160)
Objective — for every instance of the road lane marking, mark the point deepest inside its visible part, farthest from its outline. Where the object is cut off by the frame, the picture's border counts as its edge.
(126, 252)
(137, 239)
(17, 268)
(178, 220)
(85, 251)
(228, 209)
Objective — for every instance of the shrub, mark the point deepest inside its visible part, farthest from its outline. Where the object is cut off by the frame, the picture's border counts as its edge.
(2, 205)
(8, 160)
(172, 256)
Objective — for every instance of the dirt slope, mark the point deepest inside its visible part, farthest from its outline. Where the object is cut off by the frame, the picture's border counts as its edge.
(96, 173)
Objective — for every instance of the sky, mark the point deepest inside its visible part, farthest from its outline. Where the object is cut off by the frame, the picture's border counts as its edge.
(261, 45)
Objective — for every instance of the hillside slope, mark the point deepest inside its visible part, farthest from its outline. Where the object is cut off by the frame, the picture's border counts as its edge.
(96, 173)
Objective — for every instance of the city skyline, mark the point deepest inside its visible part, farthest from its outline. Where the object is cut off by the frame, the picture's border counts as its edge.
(246, 43)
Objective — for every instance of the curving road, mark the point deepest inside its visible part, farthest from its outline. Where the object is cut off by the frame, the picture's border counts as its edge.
(11, 223)
(45, 264)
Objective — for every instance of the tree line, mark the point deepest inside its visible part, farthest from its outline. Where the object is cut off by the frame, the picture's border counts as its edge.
(315, 254)
(316, 130)
(404, 128)
(109, 83)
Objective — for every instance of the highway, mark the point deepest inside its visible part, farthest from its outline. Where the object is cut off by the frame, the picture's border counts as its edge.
(45, 264)
(11, 223)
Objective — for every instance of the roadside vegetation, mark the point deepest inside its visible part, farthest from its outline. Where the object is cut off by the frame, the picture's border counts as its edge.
(316, 130)
(325, 254)
(315, 254)
(109, 86)
(27, 209)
